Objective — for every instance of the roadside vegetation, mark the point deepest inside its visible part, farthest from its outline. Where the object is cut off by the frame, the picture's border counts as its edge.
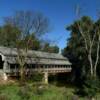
(38, 91)
(34, 92)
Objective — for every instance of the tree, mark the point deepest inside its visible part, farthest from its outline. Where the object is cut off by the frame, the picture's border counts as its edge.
(34, 43)
(9, 35)
(90, 34)
(83, 48)
(30, 24)
(49, 48)
(76, 54)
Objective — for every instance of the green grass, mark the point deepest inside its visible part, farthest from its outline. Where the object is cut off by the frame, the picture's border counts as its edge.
(10, 91)
(32, 92)
(49, 93)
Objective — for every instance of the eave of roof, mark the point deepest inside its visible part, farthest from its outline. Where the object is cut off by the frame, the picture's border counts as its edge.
(42, 57)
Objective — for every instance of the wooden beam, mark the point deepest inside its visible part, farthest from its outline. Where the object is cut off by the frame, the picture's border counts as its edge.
(46, 77)
(5, 66)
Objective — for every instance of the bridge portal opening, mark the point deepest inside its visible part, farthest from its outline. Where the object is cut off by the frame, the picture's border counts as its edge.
(1, 62)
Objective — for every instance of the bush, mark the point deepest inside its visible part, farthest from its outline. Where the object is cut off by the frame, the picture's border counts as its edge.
(24, 92)
(90, 87)
(39, 89)
(66, 95)
(37, 77)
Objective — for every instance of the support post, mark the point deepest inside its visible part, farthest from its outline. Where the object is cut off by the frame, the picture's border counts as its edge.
(6, 67)
(4, 71)
(46, 77)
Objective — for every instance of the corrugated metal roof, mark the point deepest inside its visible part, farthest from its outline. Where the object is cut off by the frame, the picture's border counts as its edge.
(33, 56)
(40, 61)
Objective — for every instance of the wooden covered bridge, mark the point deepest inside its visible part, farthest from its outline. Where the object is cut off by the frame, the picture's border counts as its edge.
(45, 62)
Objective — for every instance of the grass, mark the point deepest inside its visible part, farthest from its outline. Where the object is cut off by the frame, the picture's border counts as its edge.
(36, 92)
(50, 92)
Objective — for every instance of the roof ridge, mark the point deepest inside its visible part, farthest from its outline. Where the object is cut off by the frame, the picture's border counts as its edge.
(30, 50)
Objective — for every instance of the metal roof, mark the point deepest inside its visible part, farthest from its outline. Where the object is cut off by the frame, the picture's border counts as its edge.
(35, 56)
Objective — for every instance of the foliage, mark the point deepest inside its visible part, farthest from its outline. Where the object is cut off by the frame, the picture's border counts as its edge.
(90, 87)
(39, 89)
(35, 77)
(9, 35)
(24, 92)
(83, 51)
(34, 92)
(75, 49)
(49, 48)
(49, 92)
(24, 30)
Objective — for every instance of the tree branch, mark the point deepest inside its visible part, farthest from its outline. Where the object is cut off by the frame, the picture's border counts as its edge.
(80, 29)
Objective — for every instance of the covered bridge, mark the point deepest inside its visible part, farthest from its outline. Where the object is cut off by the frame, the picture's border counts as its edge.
(34, 61)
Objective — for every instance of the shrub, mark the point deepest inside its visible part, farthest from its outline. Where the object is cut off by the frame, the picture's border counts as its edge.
(39, 89)
(90, 87)
(35, 77)
(24, 92)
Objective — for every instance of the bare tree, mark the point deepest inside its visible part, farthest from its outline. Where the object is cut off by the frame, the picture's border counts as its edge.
(28, 23)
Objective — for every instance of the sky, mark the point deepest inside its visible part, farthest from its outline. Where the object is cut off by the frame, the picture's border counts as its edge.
(61, 14)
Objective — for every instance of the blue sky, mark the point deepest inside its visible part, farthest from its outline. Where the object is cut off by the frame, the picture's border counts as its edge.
(60, 12)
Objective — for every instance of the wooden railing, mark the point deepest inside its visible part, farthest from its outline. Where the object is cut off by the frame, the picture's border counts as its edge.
(49, 70)
(57, 70)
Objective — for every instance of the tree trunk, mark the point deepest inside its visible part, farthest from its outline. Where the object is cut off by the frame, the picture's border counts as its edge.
(91, 65)
(95, 72)
(97, 57)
